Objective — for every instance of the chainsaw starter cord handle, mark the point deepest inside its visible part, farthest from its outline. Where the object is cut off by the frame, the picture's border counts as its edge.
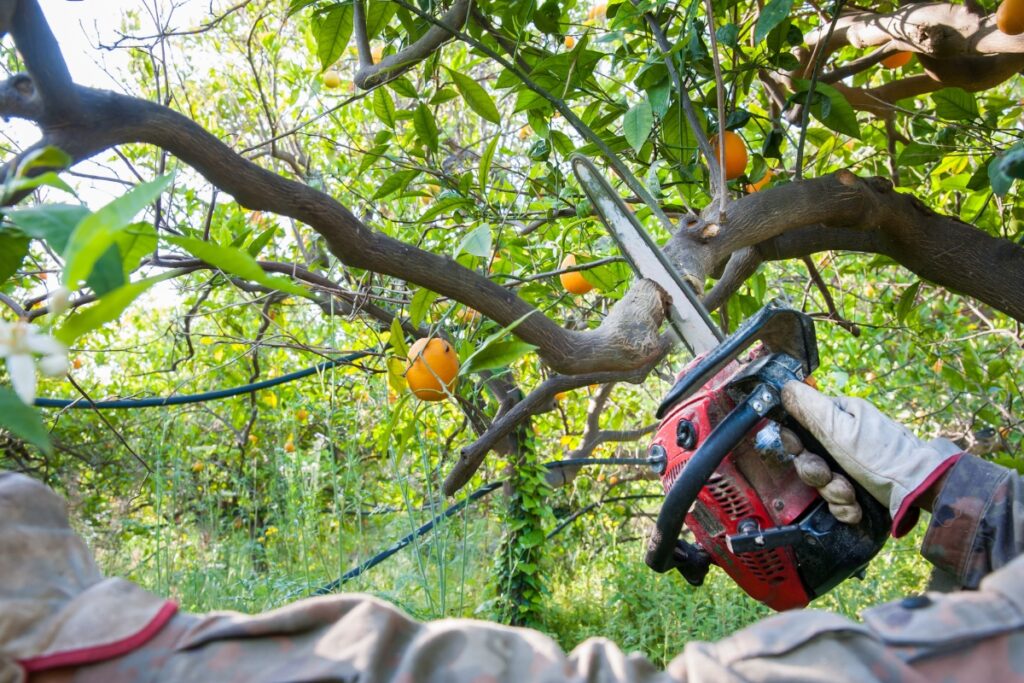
(697, 471)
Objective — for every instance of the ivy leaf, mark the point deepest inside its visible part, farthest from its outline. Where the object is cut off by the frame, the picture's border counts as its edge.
(771, 16)
(426, 127)
(23, 421)
(955, 104)
(477, 243)
(637, 124)
(332, 29)
(476, 97)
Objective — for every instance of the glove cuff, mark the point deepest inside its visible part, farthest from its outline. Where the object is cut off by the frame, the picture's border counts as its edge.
(907, 514)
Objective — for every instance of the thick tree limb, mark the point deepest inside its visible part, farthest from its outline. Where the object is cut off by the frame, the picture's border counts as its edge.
(843, 211)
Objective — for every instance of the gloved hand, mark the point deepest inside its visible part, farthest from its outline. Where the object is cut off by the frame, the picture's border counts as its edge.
(886, 459)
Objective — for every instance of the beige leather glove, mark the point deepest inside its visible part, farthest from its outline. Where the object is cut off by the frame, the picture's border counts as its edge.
(886, 459)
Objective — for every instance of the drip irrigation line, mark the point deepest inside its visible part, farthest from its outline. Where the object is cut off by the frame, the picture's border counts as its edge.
(448, 512)
(159, 402)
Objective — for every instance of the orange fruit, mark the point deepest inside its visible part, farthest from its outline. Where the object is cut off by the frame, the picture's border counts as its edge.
(332, 79)
(1010, 17)
(301, 414)
(735, 154)
(573, 282)
(765, 179)
(289, 446)
(377, 53)
(468, 315)
(560, 396)
(570, 42)
(598, 11)
(433, 367)
(898, 60)
(76, 363)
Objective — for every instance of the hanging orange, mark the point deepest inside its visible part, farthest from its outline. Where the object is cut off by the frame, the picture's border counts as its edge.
(898, 60)
(735, 154)
(765, 179)
(573, 282)
(433, 367)
(1010, 17)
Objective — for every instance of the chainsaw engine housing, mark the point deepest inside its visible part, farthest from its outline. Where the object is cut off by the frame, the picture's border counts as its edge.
(750, 513)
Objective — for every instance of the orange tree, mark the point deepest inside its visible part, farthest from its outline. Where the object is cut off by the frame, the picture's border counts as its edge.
(418, 173)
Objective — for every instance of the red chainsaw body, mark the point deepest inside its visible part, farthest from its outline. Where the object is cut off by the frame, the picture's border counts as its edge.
(748, 485)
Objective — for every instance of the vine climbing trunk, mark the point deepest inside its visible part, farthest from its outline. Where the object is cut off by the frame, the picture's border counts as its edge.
(518, 575)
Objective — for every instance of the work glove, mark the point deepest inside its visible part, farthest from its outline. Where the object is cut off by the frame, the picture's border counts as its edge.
(883, 456)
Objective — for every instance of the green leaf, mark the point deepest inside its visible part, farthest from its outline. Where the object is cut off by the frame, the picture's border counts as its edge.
(332, 29)
(260, 241)
(637, 124)
(476, 97)
(1001, 182)
(485, 162)
(420, 304)
(499, 355)
(836, 112)
(13, 250)
(384, 107)
(771, 16)
(48, 178)
(234, 261)
(96, 232)
(107, 273)
(404, 87)
(562, 143)
(48, 157)
(491, 339)
(395, 182)
(51, 222)
(955, 104)
(378, 14)
(477, 243)
(918, 154)
(906, 302)
(397, 339)
(443, 205)
(23, 421)
(108, 308)
(426, 127)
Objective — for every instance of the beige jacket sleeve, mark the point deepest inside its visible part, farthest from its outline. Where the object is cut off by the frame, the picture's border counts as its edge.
(55, 607)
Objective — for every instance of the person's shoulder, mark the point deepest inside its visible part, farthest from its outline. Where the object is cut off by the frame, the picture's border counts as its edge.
(25, 498)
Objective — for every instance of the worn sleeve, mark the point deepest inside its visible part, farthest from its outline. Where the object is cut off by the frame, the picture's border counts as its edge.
(977, 521)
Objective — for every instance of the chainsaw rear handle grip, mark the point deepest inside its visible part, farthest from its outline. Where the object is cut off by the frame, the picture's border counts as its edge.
(698, 469)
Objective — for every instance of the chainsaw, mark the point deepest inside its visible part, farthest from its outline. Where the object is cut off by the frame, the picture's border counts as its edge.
(725, 447)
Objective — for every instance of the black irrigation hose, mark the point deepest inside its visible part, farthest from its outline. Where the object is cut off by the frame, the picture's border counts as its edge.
(157, 402)
(448, 512)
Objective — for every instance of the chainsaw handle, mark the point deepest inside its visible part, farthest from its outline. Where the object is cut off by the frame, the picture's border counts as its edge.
(698, 469)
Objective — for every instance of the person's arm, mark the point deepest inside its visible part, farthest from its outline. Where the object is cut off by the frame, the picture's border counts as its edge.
(977, 523)
(977, 507)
